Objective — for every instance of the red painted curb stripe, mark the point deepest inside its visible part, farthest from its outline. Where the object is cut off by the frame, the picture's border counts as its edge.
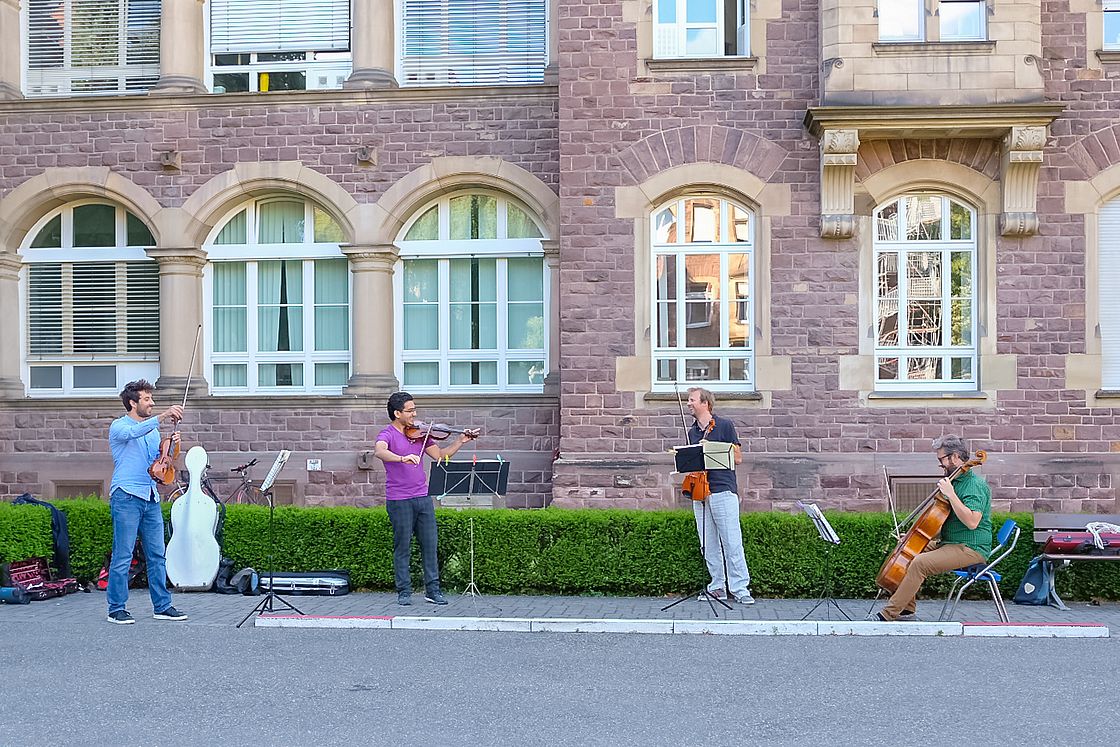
(329, 617)
(1036, 625)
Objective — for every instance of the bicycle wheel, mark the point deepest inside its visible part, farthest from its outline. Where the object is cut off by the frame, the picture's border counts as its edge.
(249, 495)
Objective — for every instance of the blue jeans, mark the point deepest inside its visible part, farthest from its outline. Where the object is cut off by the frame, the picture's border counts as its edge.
(721, 536)
(408, 516)
(131, 515)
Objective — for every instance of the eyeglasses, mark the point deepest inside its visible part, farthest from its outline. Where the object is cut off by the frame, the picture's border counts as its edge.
(941, 459)
(409, 411)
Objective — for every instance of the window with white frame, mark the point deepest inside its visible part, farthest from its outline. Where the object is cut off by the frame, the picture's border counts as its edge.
(957, 20)
(472, 42)
(278, 301)
(962, 20)
(1111, 10)
(279, 45)
(925, 294)
(90, 301)
(703, 299)
(1108, 264)
(701, 28)
(473, 298)
(88, 47)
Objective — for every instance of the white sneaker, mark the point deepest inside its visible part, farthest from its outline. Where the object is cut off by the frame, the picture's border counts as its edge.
(703, 597)
(745, 599)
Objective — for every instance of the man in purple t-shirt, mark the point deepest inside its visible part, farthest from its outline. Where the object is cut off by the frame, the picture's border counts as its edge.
(410, 508)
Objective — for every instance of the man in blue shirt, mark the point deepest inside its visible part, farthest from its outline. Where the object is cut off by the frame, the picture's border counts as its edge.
(717, 516)
(134, 502)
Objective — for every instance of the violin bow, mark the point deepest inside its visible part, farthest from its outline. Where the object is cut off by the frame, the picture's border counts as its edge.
(190, 371)
(680, 403)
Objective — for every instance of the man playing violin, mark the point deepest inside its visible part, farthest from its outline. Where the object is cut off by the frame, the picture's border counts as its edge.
(717, 516)
(134, 502)
(411, 511)
(966, 537)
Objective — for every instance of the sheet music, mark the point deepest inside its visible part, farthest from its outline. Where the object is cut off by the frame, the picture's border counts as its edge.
(281, 460)
(824, 529)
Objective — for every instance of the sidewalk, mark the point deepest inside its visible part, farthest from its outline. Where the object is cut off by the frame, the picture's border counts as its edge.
(582, 614)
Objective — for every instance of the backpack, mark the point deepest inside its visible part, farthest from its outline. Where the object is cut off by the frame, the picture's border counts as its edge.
(1036, 584)
(137, 570)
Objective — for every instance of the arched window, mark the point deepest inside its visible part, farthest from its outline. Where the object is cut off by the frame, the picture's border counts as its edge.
(473, 297)
(91, 302)
(925, 294)
(277, 300)
(703, 294)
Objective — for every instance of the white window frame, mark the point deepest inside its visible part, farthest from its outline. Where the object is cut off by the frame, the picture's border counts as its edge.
(982, 34)
(446, 249)
(671, 38)
(128, 366)
(726, 306)
(63, 78)
(946, 352)
(919, 8)
(336, 68)
(461, 69)
(1108, 288)
(1110, 8)
(252, 253)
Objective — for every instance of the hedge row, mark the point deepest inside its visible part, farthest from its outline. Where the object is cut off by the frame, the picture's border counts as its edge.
(553, 551)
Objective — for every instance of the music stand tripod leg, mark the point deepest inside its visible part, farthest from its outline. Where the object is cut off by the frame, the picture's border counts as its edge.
(265, 605)
(708, 596)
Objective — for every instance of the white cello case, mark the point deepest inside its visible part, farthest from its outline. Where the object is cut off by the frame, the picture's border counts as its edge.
(193, 553)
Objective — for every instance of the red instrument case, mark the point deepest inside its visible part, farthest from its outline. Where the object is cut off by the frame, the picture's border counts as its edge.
(1081, 543)
(34, 577)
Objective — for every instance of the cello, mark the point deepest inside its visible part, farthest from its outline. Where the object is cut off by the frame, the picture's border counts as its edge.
(192, 552)
(931, 516)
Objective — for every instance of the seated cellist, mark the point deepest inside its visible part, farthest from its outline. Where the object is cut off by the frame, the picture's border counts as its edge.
(966, 537)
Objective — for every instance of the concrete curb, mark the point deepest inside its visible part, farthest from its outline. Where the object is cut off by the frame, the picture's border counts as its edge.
(691, 627)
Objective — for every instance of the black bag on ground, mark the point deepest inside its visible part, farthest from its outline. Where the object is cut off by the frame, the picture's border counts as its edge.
(137, 570)
(1037, 581)
(60, 533)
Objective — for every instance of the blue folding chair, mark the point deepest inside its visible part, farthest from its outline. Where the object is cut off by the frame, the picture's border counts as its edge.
(1006, 538)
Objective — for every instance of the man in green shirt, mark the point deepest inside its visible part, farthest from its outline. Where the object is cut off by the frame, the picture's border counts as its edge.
(966, 537)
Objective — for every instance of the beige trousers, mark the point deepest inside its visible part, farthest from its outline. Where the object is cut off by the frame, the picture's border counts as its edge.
(943, 558)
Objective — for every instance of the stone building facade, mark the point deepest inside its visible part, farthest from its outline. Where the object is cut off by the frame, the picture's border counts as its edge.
(862, 224)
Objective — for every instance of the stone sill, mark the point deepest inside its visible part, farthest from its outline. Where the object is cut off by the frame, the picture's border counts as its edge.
(275, 402)
(1108, 55)
(355, 97)
(934, 48)
(978, 395)
(701, 64)
(1108, 394)
(721, 397)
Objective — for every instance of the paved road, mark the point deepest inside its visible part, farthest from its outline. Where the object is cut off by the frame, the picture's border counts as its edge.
(71, 678)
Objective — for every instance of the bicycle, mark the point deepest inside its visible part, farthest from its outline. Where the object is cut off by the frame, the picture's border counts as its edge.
(246, 493)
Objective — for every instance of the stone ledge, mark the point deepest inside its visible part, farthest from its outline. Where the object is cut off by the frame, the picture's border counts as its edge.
(345, 97)
(934, 48)
(702, 64)
(278, 402)
(721, 397)
(1108, 55)
(927, 395)
(1108, 394)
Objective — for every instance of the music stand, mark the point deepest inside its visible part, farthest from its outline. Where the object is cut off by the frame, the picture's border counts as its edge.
(694, 458)
(266, 603)
(491, 476)
(829, 536)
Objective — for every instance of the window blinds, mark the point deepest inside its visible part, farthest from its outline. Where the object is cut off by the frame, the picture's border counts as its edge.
(473, 42)
(92, 308)
(91, 46)
(279, 26)
(1109, 295)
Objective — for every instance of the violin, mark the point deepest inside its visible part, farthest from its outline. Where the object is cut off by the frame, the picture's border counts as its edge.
(932, 514)
(162, 470)
(437, 432)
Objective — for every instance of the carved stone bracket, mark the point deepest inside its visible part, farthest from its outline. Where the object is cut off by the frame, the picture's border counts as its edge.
(838, 166)
(1022, 160)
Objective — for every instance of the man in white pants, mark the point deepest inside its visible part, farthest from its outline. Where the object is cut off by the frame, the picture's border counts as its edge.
(717, 517)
